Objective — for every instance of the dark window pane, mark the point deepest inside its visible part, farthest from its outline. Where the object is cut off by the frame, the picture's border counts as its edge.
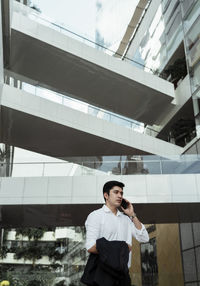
(198, 261)
(189, 265)
(196, 230)
(186, 5)
(186, 235)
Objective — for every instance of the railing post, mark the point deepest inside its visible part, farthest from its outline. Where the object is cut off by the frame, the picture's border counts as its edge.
(161, 169)
(43, 169)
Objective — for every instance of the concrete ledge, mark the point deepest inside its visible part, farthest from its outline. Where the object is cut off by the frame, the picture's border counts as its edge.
(47, 124)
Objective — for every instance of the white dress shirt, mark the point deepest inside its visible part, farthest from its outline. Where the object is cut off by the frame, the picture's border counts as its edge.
(103, 223)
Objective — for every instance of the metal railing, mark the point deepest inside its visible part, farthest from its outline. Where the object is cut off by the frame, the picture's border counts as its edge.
(144, 165)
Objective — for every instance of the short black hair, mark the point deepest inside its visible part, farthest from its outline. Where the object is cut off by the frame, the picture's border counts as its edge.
(110, 184)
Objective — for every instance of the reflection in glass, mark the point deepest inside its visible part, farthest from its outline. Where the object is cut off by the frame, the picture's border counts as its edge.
(186, 235)
(196, 230)
(42, 256)
(56, 256)
(198, 261)
(30, 164)
(189, 265)
(149, 263)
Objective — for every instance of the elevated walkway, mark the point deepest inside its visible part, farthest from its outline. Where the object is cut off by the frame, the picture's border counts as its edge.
(65, 201)
(37, 124)
(64, 64)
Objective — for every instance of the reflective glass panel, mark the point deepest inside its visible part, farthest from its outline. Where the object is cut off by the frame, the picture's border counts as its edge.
(189, 265)
(186, 235)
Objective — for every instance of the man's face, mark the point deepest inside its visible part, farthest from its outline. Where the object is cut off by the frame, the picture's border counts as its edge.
(115, 196)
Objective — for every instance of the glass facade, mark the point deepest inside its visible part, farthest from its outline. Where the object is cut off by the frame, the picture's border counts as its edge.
(161, 39)
(191, 22)
(190, 247)
(170, 48)
(42, 256)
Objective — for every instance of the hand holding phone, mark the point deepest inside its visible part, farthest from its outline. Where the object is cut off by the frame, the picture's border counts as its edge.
(124, 204)
(127, 208)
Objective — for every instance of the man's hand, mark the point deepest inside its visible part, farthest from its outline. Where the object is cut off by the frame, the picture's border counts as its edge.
(129, 247)
(93, 249)
(129, 210)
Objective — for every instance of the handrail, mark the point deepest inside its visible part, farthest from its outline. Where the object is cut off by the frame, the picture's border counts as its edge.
(81, 162)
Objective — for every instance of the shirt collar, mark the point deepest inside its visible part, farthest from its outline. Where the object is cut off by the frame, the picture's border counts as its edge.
(107, 210)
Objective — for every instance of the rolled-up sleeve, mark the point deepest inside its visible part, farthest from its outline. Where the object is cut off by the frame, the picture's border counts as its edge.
(140, 235)
(93, 226)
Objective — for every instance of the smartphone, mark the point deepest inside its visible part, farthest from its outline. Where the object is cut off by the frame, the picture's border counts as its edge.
(124, 204)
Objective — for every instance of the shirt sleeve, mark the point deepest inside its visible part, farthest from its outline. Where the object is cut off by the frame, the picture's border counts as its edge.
(140, 235)
(93, 225)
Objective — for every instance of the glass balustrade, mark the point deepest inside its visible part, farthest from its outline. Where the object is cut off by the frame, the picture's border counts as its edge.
(67, 99)
(73, 166)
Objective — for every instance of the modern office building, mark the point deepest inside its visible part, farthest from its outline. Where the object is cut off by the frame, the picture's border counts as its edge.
(80, 117)
(50, 254)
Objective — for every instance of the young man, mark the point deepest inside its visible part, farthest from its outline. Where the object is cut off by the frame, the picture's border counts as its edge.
(110, 223)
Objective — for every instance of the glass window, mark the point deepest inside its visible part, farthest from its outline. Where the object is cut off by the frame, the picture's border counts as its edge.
(194, 54)
(111, 168)
(174, 26)
(186, 235)
(152, 167)
(165, 5)
(198, 261)
(189, 265)
(170, 10)
(193, 34)
(170, 167)
(186, 5)
(196, 78)
(149, 263)
(192, 16)
(196, 230)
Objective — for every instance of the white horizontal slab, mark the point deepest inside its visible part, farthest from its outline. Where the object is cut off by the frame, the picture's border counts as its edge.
(57, 130)
(88, 189)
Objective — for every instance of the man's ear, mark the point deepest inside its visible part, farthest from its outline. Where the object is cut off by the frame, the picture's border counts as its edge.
(105, 196)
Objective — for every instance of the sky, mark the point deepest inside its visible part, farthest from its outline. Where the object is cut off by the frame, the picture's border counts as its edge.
(84, 17)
